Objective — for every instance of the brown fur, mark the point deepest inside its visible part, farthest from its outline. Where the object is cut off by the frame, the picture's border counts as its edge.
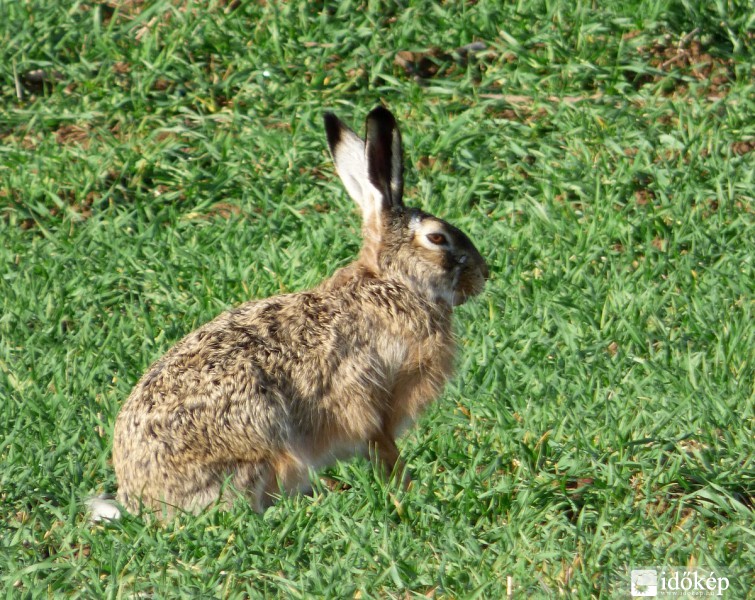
(274, 387)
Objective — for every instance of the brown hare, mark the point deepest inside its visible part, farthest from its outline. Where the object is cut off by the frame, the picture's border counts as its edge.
(253, 400)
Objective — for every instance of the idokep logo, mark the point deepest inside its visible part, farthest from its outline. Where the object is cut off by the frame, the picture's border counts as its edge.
(676, 582)
(644, 583)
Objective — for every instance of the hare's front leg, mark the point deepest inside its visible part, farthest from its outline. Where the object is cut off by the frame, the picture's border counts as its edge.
(383, 450)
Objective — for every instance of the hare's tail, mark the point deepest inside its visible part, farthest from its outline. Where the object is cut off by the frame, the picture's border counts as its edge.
(103, 508)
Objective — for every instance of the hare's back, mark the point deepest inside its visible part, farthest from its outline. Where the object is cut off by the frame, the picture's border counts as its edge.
(288, 352)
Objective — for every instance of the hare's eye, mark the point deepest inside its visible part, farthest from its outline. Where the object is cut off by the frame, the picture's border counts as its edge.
(437, 238)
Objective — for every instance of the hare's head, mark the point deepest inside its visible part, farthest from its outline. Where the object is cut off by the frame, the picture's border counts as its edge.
(433, 257)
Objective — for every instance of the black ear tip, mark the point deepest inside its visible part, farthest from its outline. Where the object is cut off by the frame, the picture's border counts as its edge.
(380, 110)
(332, 128)
(381, 117)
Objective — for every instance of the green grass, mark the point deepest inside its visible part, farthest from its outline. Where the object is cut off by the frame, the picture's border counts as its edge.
(171, 163)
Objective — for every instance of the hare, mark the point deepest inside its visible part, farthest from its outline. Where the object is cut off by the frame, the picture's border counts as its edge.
(253, 400)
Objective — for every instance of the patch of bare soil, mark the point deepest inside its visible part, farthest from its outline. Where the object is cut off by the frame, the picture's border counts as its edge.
(223, 210)
(677, 63)
(743, 147)
(128, 10)
(425, 64)
(15, 203)
(73, 134)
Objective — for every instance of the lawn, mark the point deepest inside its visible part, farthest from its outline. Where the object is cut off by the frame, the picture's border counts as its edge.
(163, 161)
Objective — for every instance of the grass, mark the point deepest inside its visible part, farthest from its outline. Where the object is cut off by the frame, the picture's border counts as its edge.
(162, 161)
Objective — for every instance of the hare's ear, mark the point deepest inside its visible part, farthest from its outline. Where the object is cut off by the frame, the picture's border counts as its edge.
(347, 150)
(385, 160)
(349, 154)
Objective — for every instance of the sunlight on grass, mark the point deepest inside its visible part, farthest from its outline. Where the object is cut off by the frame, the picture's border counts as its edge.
(161, 162)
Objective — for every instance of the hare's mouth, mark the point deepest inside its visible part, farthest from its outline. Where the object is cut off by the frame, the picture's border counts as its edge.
(470, 284)
(460, 297)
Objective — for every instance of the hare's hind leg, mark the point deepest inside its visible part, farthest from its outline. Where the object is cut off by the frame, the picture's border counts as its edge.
(223, 483)
(248, 479)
